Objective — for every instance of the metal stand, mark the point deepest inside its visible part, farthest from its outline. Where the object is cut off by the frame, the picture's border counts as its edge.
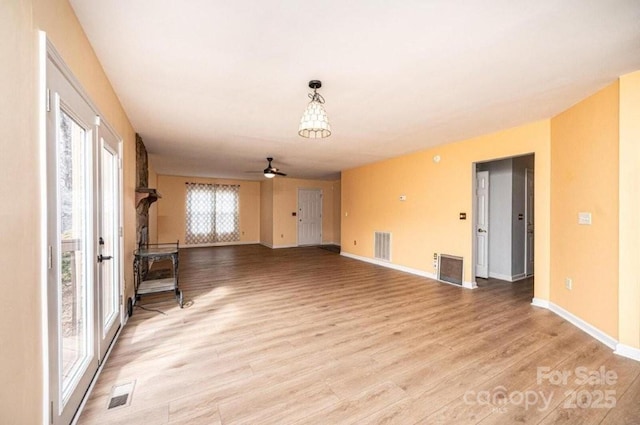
(157, 252)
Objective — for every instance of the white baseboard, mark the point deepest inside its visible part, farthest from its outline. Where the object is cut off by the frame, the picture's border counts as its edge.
(628, 351)
(417, 272)
(207, 245)
(596, 333)
(500, 276)
(469, 285)
(390, 265)
(539, 302)
(277, 246)
(508, 278)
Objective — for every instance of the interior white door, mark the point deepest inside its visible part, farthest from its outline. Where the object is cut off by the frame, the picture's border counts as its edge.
(529, 219)
(309, 216)
(482, 224)
(109, 239)
(71, 241)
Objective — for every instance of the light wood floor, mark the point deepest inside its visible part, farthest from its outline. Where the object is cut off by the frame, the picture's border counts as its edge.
(306, 336)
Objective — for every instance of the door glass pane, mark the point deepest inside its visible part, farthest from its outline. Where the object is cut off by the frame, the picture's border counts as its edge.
(109, 239)
(72, 187)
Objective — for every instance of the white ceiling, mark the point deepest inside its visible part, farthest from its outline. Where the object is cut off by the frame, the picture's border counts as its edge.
(214, 87)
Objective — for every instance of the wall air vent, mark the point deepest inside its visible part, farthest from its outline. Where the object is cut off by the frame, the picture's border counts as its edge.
(382, 246)
(450, 269)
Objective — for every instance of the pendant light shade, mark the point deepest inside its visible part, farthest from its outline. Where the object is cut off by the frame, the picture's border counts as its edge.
(314, 123)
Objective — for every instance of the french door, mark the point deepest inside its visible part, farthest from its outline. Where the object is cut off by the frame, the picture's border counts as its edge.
(83, 241)
(109, 240)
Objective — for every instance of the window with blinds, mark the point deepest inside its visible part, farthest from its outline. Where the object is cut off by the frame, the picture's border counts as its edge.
(212, 213)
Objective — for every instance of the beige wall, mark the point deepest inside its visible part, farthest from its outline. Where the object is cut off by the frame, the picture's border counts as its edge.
(21, 399)
(21, 355)
(428, 221)
(266, 212)
(172, 207)
(629, 195)
(285, 202)
(584, 178)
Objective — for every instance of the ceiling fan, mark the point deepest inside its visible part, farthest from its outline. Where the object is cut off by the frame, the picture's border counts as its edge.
(271, 171)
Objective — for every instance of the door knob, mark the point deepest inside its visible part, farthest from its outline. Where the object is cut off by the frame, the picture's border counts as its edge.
(482, 231)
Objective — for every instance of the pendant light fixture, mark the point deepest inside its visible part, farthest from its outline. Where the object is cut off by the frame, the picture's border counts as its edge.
(314, 123)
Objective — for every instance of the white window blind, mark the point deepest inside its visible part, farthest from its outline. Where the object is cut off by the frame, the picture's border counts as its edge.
(212, 213)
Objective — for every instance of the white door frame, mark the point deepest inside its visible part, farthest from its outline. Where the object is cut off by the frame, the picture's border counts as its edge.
(481, 230)
(50, 58)
(529, 226)
(109, 141)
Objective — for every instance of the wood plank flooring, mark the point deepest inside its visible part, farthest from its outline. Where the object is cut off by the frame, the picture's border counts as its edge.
(305, 336)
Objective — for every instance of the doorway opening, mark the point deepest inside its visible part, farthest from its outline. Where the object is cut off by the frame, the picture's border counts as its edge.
(504, 222)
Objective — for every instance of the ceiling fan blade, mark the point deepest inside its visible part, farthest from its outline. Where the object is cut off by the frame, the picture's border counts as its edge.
(279, 173)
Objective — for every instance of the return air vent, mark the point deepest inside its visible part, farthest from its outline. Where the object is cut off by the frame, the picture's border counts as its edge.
(382, 246)
(450, 269)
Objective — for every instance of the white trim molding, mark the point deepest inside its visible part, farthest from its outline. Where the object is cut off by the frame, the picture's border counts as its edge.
(390, 265)
(596, 333)
(417, 272)
(278, 246)
(508, 278)
(207, 245)
(539, 302)
(468, 285)
(628, 351)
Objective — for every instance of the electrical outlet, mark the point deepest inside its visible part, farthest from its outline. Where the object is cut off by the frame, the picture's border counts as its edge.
(568, 283)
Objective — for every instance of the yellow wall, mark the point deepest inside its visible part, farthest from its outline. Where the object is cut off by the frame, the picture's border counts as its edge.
(266, 212)
(172, 207)
(285, 202)
(337, 221)
(428, 221)
(584, 178)
(629, 193)
(21, 399)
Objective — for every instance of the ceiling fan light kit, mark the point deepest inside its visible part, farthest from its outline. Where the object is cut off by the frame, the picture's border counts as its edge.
(314, 123)
(271, 171)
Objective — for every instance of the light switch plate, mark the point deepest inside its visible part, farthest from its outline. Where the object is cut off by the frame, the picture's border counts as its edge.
(584, 218)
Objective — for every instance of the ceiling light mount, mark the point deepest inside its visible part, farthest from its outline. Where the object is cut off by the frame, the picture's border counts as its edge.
(314, 123)
(315, 84)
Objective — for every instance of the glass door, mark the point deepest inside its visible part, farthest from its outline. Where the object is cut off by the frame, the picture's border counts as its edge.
(109, 240)
(70, 239)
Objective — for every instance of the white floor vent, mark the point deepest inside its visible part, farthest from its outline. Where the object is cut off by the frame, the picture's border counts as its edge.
(450, 269)
(382, 246)
(121, 395)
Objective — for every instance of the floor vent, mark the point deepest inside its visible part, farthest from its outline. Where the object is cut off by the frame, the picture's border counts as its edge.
(450, 269)
(121, 395)
(382, 246)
